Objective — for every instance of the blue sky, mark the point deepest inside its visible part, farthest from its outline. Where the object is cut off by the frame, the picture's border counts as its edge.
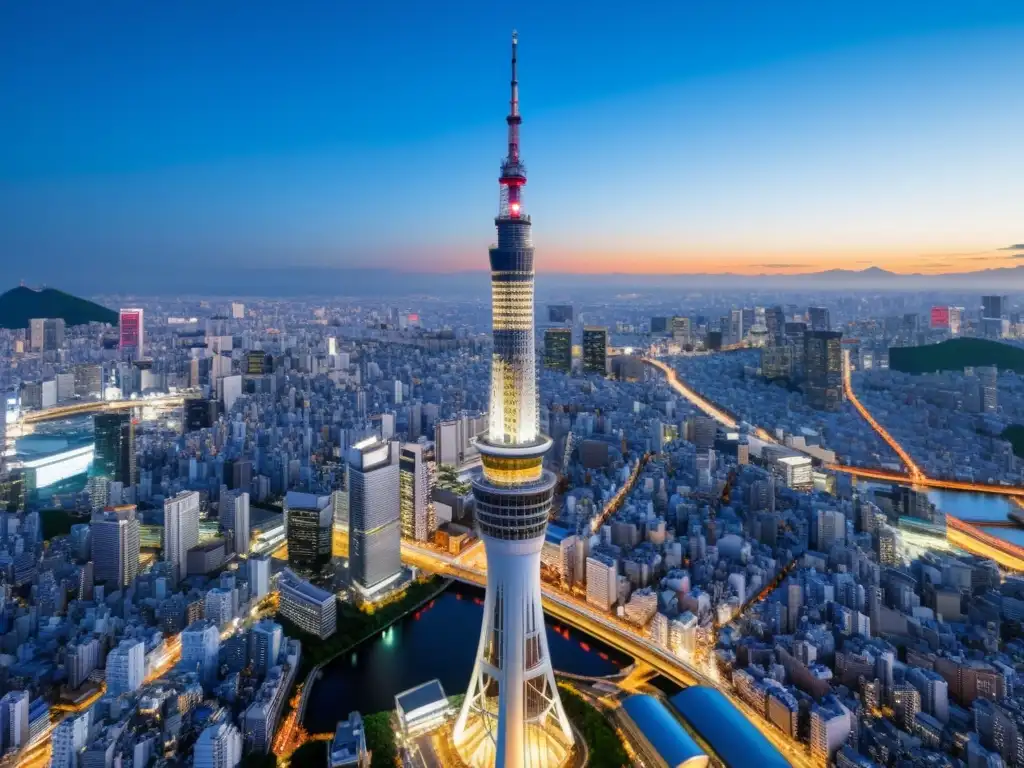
(675, 137)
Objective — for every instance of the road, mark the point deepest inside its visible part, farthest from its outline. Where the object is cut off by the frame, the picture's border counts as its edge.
(912, 469)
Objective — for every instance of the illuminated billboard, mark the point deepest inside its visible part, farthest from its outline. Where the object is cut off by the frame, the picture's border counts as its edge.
(940, 317)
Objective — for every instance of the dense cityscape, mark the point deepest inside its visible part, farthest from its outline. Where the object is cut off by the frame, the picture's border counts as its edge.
(557, 523)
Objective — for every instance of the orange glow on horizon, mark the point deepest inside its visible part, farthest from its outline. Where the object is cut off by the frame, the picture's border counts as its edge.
(713, 261)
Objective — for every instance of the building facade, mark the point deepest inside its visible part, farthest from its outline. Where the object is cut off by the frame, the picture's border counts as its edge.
(374, 515)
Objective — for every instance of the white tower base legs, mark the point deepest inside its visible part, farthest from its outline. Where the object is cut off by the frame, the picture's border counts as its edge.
(513, 682)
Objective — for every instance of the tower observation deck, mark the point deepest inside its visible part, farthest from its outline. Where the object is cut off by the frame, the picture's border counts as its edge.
(512, 716)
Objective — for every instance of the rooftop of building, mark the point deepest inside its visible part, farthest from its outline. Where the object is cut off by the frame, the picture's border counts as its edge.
(733, 738)
(426, 694)
(668, 737)
(292, 583)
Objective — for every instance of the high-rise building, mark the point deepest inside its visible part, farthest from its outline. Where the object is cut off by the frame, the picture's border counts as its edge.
(69, 738)
(735, 326)
(234, 517)
(775, 323)
(218, 746)
(512, 715)
(310, 608)
(595, 350)
(114, 443)
(133, 334)
(46, 334)
(830, 528)
(14, 719)
(181, 529)
(80, 660)
(259, 576)
(88, 381)
(126, 667)
(200, 413)
(308, 529)
(558, 349)
(258, 363)
(265, 639)
(993, 307)
(416, 506)
(374, 519)
(200, 646)
(993, 316)
(681, 329)
(660, 324)
(939, 318)
(818, 319)
(115, 546)
(602, 581)
(988, 375)
(308, 524)
(560, 313)
(794, 604)
(453, 439)
(823, 369)
(238, 474)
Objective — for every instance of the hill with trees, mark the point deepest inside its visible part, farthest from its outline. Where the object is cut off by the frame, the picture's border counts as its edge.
(956, 354)
(21, 304)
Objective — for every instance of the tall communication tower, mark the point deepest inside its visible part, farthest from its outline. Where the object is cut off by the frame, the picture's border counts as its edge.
(512, 716)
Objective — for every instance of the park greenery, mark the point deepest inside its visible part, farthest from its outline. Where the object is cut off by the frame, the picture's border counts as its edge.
(606, 751)
(955, 355)
(380, 740)
(312, 754)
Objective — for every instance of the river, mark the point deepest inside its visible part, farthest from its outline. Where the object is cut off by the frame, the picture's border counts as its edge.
(437, 642)
(977, 508)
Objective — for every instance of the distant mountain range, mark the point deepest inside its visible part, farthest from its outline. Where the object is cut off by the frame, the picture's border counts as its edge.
(216, 280)
(21, 304)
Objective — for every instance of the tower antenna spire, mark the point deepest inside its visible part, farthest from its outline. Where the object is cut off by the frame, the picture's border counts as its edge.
(513, 172)
(514, 110)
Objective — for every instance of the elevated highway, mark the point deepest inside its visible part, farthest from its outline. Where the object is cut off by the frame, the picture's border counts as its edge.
(104, 406)
(960, 533)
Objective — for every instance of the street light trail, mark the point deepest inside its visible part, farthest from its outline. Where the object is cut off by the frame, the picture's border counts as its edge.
(959, 532)
(915, 472)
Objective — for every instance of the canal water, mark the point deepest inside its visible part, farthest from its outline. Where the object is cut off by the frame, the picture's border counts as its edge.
(976, 508)
(437, 642)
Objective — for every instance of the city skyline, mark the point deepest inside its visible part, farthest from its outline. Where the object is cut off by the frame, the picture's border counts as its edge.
(715, 141)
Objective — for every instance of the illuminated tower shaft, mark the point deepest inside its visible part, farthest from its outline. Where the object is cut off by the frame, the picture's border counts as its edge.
(512, 716)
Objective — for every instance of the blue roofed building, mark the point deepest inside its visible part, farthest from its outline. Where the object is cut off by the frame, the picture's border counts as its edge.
(727, 734)
(664, 739)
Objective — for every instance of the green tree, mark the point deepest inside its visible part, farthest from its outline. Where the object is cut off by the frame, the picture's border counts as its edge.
(606, 751)
(380, 740)
(312, 754)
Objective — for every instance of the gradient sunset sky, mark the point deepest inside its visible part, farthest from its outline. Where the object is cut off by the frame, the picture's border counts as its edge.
(679, 136)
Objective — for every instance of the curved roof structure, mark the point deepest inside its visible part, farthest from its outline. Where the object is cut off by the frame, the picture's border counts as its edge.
(734, 739)
(671, 741)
